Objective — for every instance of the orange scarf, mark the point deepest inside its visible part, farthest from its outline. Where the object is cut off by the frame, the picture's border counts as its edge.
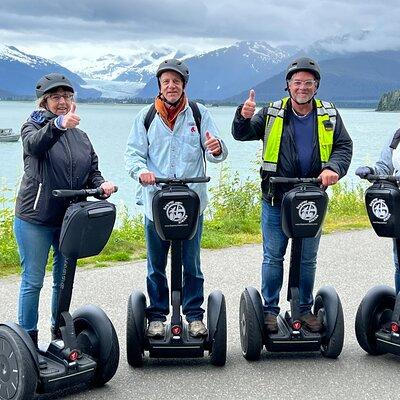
(169, 114)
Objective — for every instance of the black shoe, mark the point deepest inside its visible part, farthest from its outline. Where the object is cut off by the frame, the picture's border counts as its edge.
(271, 323)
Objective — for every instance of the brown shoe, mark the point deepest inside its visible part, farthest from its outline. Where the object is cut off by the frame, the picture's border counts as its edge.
(311, 322)
(271, 323)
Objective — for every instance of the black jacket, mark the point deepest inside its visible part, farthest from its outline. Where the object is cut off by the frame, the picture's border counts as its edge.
(53, 159)
(288, 165)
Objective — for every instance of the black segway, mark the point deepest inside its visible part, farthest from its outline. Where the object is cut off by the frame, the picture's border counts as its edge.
(86, 349)
(303, 210)
(378, 316)
(176, 214)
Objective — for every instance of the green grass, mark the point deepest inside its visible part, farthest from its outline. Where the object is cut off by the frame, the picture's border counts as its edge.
(231, 219)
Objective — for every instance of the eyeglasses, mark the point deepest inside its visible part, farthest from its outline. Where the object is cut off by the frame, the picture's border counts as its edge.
(307, 84)
(57, 97)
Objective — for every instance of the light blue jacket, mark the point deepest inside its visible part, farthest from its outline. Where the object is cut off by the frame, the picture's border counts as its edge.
(169, 154)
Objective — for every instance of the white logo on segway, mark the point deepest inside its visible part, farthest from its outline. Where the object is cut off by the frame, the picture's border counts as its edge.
(380, 209)
(307, 211)
(175, 211)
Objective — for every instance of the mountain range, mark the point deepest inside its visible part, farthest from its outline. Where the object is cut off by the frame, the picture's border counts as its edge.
(20, 71)
(352, 77)
(226, 74)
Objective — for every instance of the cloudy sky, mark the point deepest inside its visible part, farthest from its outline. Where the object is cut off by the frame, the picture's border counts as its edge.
(61, 29)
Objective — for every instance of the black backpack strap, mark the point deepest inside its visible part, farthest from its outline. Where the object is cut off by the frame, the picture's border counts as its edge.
(149, 117)
(197, 118)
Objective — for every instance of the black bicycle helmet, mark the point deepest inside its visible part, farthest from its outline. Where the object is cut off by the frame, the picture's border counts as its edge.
(303, 64)
(174, 65)
(51, 81)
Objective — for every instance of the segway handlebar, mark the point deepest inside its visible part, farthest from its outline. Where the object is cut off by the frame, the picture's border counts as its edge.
(67, 193)
(281, 179)
(171, 181)
(390, 178)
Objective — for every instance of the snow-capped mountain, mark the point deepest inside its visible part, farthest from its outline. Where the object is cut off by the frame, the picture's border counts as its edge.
(20, 71)
(118, 76)
(224, 72)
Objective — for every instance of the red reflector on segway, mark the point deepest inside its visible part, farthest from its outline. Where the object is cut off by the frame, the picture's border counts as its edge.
(74, 355)
(296, 325)
(176, 330)
(394, 327)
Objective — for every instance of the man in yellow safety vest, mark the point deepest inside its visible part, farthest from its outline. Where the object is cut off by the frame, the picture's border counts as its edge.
(302, 137)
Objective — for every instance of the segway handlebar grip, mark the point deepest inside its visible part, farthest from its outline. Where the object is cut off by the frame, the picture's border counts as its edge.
(200, 179)
(68, 193)
(373, 177)
(282, 179)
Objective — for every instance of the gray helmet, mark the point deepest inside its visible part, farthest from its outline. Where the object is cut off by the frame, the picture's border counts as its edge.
(174, 65)
(303, 64)
(51, 81)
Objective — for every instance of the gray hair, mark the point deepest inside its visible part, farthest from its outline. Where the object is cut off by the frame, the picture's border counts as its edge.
(41, 102)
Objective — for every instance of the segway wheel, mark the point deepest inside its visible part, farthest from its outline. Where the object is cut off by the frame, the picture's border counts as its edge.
(135, 329)
(95, 336)
(18, 376)
(374, 311)
(328, 308)
(218, 346)
(250, 333)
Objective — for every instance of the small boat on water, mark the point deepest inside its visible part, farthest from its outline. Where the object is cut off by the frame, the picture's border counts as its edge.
(7, 135)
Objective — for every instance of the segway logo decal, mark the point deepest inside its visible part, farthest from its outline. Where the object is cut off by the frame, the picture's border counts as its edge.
(380, 209)
(307, 211)
(175, 212)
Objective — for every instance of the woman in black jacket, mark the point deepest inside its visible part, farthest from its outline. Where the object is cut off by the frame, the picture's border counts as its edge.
(57, 155)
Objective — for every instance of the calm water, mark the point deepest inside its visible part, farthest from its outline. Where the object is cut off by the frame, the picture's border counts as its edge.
(108, 127)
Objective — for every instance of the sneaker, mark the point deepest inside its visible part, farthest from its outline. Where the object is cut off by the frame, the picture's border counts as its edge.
(197, 328)
(271, 323)
(155, 329)
(311, 322)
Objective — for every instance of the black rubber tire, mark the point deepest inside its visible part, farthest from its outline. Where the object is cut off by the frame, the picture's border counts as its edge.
(377, 309)
(105, 369)
(134, 337)
(334, 345)
(17, 367)
(250, 333)
(218, 346)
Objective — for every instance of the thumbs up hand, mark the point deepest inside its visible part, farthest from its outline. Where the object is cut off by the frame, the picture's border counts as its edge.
(70, 119)
(212, 144)
(249, 106)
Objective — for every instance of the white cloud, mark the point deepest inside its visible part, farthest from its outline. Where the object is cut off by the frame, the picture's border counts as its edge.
(58, 30)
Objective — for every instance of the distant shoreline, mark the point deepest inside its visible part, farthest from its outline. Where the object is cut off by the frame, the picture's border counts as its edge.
(339, 103)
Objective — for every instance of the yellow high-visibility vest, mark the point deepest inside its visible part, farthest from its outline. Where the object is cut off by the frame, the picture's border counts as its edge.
(326, 122)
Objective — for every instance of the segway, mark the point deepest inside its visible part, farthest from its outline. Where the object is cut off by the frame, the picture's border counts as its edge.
(86, 349)
(377, 322)
(176, 213)
(303, 210)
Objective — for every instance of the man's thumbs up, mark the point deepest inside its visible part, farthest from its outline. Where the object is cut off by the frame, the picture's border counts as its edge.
(212, 144)
(70, 119)
(73, 108)
(249, 106)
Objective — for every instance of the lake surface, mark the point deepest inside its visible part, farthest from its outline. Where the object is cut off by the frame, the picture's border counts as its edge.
(108, 127)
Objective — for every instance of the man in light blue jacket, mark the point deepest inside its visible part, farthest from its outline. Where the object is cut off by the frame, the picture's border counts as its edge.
(167, 143)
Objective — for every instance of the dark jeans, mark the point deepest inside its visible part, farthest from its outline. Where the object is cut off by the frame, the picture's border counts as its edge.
(274, 247)
(157, 284)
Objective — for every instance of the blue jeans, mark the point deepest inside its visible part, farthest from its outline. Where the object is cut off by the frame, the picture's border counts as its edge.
(34, 243)
(157, 284)
(274, 247)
